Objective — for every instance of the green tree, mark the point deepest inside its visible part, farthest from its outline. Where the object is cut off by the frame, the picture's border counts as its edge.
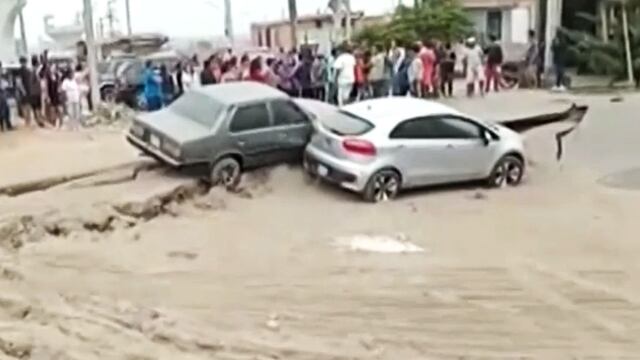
(595, 56)
(432, 19)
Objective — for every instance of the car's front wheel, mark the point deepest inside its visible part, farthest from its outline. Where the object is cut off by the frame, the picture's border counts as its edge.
(226, 172)
(382, 186)
(509, 170)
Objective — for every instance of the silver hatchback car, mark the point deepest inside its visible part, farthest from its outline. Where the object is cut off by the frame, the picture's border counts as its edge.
(379, 147)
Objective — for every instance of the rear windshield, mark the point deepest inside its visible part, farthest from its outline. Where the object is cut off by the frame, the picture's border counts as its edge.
(198, 107)
(344, 123)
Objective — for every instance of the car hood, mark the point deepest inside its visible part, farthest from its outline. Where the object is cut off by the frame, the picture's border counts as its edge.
(174, 126)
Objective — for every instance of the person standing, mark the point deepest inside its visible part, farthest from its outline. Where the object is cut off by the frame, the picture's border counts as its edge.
(54, 100)
(559, 49)
(428, 58)
(474, 67)
(302, 76)
(167, 86)
(344, 67)
(5, 111)
(81, 76)
(179, 79)
(330, 88)
(378, 75)
(495, 58)
(531, 61)
(24, 92)
(152, 90)
(206, 76)
(360, 76)
(447, 70)
(318, 72)
(397, 58)
(416, 71)
(71, 90)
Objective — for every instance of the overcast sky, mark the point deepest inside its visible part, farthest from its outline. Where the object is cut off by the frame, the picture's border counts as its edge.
(184, 17)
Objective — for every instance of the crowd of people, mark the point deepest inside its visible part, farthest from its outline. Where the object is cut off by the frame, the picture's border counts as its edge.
(348, 73)
(51, 96)
(47, 95)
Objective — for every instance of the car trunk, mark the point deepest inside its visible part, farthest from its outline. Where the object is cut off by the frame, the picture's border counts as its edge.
(170, 125)
(342, 135)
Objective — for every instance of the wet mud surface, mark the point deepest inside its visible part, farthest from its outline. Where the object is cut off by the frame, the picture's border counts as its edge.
(151, 264)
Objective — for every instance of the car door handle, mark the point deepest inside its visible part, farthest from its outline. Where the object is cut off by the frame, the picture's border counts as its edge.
(450, 146)
(241, 143)
(282, 135)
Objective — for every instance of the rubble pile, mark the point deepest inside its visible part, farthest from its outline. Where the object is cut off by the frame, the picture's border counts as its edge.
(110, 115)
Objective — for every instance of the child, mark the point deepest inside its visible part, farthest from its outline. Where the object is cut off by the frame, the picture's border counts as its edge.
(71, 91)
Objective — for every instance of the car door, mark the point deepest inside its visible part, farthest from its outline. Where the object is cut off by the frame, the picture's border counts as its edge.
(251, 133)
(292, 129)
(419, 154)
(468, 153)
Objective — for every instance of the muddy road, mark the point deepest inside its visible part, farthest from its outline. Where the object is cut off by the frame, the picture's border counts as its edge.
(155, 266)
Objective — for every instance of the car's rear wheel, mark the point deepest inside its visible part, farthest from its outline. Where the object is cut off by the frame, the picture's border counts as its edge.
(226, 172)
(509, 170)
(382, 186)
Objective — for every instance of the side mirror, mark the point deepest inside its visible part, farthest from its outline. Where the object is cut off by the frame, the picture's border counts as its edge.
(486, 137)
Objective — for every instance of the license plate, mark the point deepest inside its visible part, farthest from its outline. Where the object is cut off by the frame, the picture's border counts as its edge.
(323, 170)
(155, 141)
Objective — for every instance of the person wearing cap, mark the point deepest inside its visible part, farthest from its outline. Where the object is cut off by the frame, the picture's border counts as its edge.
(474, 65)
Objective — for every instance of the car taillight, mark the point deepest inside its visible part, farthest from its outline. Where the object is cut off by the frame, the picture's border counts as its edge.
(361, 147)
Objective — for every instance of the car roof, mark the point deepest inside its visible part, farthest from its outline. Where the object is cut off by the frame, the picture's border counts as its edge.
(389, 111)
(242, 92)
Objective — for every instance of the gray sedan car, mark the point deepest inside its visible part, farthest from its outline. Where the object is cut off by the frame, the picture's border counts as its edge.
(228, 128)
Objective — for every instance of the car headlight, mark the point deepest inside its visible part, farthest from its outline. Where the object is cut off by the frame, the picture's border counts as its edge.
(137, 130)
(171, 149)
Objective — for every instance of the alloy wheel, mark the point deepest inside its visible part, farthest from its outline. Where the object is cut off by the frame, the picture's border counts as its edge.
(385, 187)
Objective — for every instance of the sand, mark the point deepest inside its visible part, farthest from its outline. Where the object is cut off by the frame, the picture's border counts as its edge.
(152, 268)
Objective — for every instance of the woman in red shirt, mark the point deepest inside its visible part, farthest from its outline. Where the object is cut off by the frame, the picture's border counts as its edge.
(256, 72)
(360, 76)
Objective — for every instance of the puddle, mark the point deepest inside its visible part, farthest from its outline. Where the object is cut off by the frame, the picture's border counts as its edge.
(627, 179)
(397, 244)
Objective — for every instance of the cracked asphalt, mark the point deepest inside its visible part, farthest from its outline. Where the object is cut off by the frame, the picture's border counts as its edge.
(152, 266)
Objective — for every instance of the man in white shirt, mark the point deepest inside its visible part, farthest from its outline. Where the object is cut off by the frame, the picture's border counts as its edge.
(474, 60)
(344, 67)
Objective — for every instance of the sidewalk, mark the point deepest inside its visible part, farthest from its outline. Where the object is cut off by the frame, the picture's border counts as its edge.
(29, 155)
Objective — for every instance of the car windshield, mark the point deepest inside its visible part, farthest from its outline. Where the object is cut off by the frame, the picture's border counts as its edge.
(345, 123)
(198, 107)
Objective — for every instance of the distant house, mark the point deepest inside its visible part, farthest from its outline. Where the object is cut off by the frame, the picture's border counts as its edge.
(508, 20)
(320, 29)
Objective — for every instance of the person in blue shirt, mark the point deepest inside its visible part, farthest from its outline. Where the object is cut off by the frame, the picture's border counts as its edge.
(152, 89)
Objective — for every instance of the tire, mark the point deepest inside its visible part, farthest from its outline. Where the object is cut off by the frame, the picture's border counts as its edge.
(382, 186)
(108, 94)
(509, 171)
(226, 172)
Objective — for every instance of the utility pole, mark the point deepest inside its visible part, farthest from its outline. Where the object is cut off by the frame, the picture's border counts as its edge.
(627, 43)
(23, 34)
(554, 21)
(348, 30)
(293, 22)
(228, 22)
(127, 7)
(111, 17)
(92, 58)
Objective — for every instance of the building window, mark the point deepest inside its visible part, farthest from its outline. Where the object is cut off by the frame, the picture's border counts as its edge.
(494, 23)
(260, 44)
(267, 35)
(318, 24)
